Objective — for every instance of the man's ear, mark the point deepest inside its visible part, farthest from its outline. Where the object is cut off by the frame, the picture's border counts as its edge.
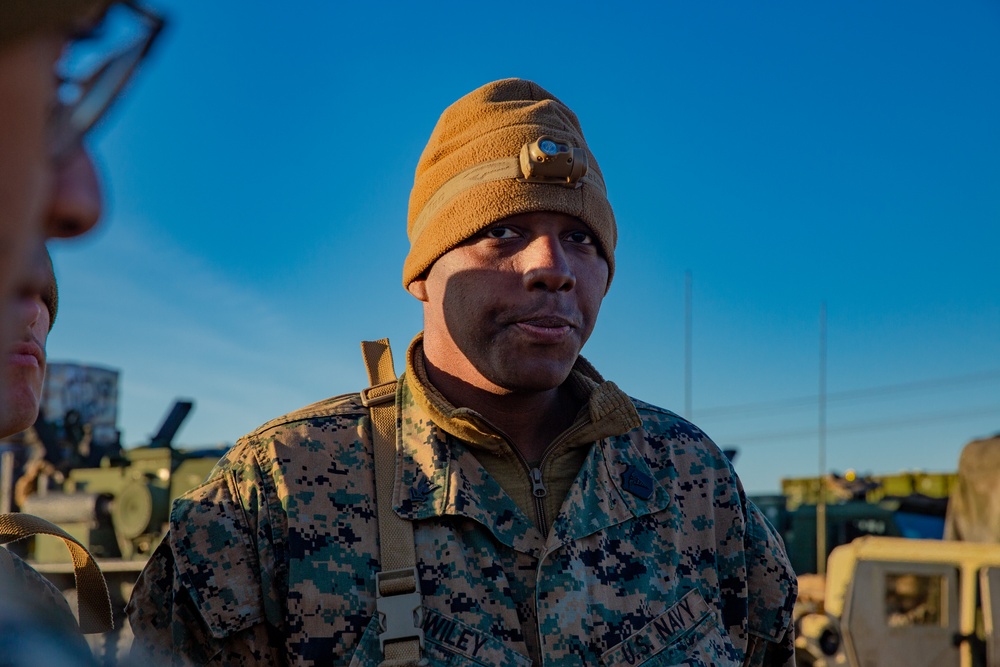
(418, 288)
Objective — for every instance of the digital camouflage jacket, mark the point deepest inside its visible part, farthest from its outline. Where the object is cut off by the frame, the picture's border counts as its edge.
(654, 558)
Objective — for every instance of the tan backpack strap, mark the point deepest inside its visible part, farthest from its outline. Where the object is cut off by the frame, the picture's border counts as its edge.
(93, 601)
(397, 587)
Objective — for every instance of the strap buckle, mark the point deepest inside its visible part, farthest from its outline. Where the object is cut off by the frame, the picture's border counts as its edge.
(399, 610)
(378, 394)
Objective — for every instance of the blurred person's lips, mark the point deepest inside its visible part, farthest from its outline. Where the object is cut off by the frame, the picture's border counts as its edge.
(27, 353)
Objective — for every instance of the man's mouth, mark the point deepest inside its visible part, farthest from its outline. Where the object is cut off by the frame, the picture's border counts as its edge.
(27, 354)
(547, 322)
(546, 329)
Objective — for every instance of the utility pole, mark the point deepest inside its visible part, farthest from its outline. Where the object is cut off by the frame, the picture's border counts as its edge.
(821, 501)
(687, 345)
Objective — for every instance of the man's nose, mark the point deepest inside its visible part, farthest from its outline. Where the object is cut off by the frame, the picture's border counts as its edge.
(75, 206)
(546, 265)
(29, 310)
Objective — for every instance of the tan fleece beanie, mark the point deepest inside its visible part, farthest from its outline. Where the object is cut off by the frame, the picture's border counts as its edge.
(469, 176)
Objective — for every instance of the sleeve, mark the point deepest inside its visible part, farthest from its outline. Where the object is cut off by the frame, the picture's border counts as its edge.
(37, 591)
(36, 623)
(199, 600)
(772, 588)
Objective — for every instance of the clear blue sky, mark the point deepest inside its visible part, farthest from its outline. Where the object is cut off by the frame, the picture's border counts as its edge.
(785, 153)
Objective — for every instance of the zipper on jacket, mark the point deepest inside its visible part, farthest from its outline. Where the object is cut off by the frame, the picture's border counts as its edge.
(539, 492)
(537, 486)
(538, 489)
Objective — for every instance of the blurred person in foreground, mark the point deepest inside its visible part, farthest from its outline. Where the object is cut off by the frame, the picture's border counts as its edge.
(35, 313)
(36, 623)
(62, 63)
(61, 67)
(500, 503)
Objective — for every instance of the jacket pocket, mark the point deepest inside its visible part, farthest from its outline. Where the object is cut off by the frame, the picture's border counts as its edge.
(687, 634)
(215, 562)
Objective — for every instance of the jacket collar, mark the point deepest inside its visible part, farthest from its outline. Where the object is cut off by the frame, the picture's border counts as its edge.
(608, 410)
(437, 474)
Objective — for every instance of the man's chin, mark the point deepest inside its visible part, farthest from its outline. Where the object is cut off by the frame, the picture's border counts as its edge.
(19, 411)
(536, 377)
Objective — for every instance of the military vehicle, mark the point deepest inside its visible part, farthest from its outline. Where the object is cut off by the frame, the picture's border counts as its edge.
(870, 488)
(896, 601)
(115, 501)
(889, 601)
(903, 505)
(974, 510)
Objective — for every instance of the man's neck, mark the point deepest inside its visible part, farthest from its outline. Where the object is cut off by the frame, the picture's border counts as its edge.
(530, 419)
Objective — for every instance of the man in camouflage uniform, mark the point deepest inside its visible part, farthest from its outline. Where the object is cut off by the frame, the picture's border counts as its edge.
(556, 520)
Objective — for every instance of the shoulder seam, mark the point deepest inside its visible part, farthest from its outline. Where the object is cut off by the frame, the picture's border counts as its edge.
(642, 406)
(344, 404)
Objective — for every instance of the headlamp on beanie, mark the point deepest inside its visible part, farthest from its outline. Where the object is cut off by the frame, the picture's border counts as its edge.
(545, 160)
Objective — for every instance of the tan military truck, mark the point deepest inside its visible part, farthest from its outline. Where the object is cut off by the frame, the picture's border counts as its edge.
(895, 601)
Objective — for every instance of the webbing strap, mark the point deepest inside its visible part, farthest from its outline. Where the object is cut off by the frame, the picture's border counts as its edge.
(396, 586)
(93, 601)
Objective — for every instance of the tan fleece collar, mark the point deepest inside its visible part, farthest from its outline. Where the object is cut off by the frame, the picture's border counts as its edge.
(608, 412)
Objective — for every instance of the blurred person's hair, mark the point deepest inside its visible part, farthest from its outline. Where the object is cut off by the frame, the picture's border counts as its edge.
(23, 18)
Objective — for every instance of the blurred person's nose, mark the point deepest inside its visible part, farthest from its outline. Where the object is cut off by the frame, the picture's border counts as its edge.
(29, 310)
(75, 205)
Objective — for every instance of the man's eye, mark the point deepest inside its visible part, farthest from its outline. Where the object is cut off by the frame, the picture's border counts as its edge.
(581, 237)
(499, 233)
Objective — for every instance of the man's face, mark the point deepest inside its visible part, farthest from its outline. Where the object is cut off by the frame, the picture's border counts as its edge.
(25, 358)
(27, 94)
(38, 199)
(510, 309)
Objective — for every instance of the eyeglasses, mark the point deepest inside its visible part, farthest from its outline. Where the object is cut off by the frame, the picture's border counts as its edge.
(95, 68)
